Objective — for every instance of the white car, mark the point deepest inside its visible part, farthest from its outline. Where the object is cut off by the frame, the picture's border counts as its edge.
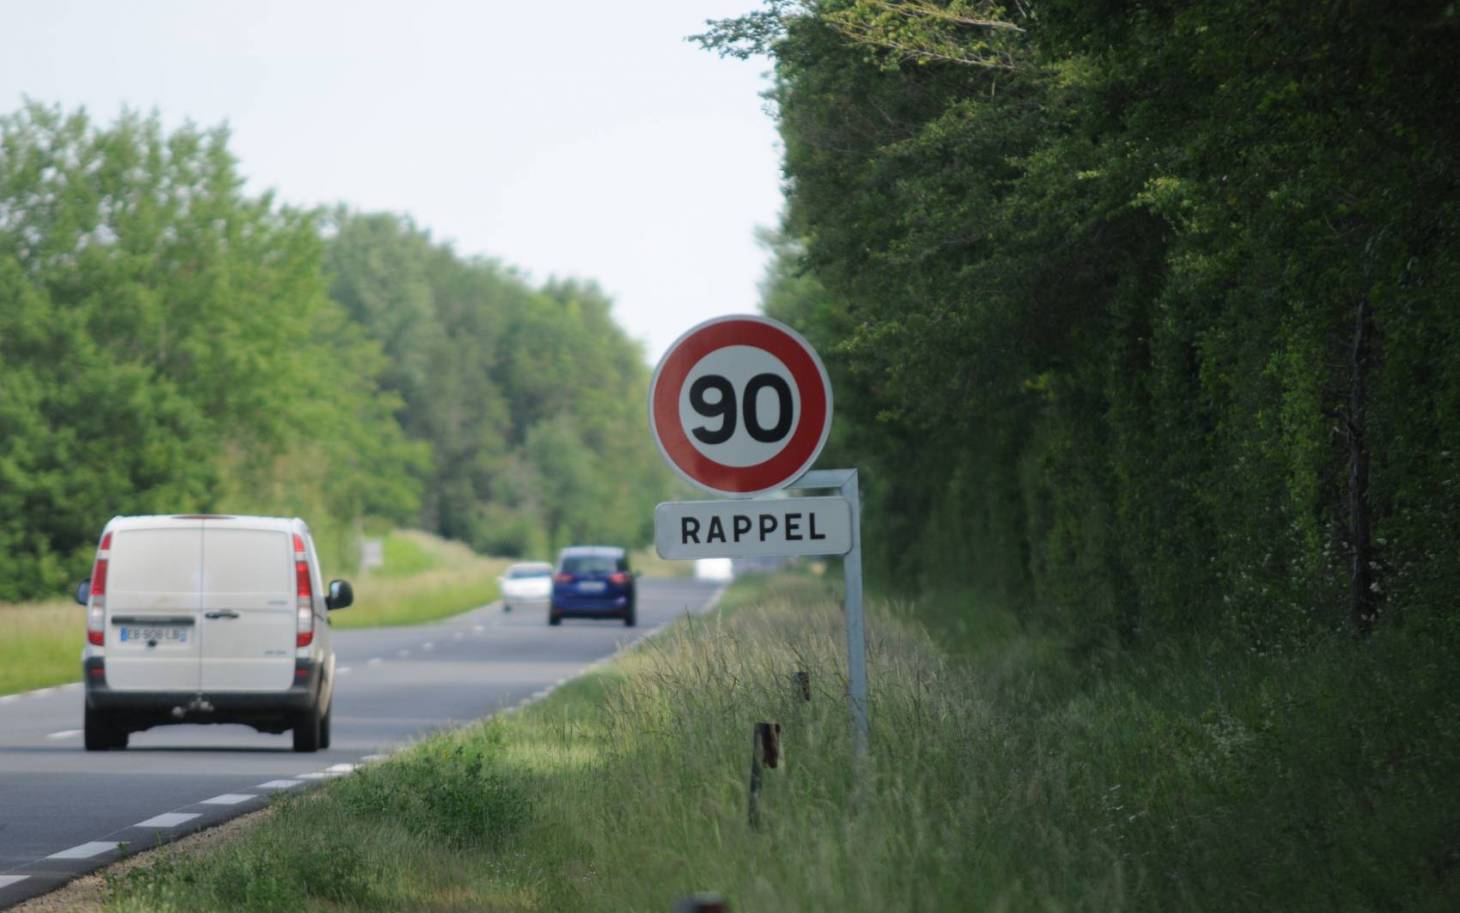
(208, 619)
(526, 583)
(720, 570)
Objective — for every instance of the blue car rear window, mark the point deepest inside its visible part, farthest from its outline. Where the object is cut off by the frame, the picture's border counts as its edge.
(592, 564)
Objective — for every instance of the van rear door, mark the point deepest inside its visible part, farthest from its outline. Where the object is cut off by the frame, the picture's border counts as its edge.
(153, 608)
(248, 608)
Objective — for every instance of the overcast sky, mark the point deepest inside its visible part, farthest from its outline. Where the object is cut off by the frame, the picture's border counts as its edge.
(571, 138)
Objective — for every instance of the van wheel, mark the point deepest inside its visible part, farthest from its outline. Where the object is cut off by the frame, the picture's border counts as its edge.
(307, 730)
(99, 735)
(631, 615)
(554, 618)
(324, 726)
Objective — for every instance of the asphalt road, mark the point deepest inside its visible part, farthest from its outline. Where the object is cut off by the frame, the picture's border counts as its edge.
(65, 811)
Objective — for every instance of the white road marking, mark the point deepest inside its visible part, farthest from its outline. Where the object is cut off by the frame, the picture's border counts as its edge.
(478, 628)
(458, 635)
(63, 734)
(371, 758)
(315, 775)
(11, 879)
(428, 646)
(41, 692)
(403, 653)
(340, 768)
(169, 819)
(5, 700)
(229, 799)
(280, 784)
(342, 670)
(374, 661)
(86, 850)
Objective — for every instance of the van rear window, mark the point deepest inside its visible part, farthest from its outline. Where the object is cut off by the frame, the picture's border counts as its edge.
(247, 561)
(155, 561)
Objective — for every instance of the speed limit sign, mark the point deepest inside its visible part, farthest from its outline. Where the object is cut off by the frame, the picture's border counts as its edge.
(740, 405)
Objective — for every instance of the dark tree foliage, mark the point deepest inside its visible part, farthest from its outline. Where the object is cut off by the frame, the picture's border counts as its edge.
(1155, 326)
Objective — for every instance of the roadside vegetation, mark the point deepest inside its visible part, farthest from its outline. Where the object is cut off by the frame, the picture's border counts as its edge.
(40, 644)
(423, 578)
(1141, 316)
(172, 343)
(1007, 773)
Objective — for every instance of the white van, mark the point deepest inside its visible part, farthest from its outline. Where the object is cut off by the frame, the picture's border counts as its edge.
(208, 619)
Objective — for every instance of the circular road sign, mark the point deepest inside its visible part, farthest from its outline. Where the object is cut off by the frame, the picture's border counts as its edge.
(740, 405)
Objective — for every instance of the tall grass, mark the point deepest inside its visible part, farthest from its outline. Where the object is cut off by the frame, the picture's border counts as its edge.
(424, 578)
(40, 644)
(1009, 777)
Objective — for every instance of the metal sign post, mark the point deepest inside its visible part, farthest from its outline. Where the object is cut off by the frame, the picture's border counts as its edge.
(845, 482)
(741, 406)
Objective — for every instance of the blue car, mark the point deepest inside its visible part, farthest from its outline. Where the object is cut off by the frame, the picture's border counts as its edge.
(593, 581)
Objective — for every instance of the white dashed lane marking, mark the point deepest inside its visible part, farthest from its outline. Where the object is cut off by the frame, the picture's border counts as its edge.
(339, 768)
(63, 734)
(280, 784)
(170, 819)
(11, 879)
(314, 775)
(229, 799)
(86, 850)
(374, 661)
(428, 646)
(342, 670)
(403, 653)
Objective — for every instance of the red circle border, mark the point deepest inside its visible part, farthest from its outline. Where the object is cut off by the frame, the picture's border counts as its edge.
(806, 439)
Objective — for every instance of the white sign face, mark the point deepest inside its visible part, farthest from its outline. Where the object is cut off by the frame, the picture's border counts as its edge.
(740, 405)
(752, 529)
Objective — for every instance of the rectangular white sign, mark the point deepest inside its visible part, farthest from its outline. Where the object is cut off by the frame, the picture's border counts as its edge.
(753, 528)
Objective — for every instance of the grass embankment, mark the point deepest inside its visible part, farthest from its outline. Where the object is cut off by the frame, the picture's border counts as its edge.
(1009, 778)
(423, 578)
(40, 644)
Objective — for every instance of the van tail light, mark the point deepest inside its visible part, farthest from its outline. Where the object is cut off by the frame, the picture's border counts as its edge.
(618, 578)
(304, 590)
(562, 578)
(96, 611)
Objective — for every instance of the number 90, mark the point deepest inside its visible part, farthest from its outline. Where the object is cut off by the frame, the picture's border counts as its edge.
(724, 408)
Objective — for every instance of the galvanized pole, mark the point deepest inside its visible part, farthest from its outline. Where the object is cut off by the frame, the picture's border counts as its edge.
(856, 633)
(846, 483)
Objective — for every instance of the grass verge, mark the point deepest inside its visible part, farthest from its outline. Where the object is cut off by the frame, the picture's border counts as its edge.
(40, 644)
(1008, 778)
(424, 578)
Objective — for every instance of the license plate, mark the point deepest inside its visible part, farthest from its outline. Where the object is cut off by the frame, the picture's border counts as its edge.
(592, 586)
(161, 633)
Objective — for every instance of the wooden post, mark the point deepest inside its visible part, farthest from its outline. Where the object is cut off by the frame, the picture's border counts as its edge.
(765, 749)
(802, 681)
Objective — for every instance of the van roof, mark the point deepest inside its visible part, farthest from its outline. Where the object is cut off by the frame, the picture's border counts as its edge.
(237, 521)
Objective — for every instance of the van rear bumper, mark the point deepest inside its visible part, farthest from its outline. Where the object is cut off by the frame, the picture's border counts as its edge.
(143, 709)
